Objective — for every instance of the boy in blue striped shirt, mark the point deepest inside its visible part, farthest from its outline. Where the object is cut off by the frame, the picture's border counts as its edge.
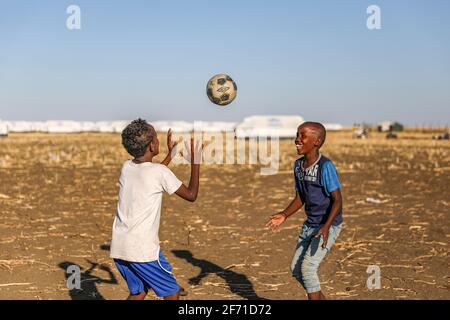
(317, 187)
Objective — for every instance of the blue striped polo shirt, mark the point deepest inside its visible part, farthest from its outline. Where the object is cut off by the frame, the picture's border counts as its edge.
(315, 185)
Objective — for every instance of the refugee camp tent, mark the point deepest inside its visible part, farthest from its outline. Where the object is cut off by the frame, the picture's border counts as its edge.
(104, 127)
(118, 126)
(333, 126)
(61, 126)
(389, 126)
(442, 136)
(176, 126)
(21, 126)
(269, 126)
(214, 127)
(39, 126)
(3, 129)
(88, 126)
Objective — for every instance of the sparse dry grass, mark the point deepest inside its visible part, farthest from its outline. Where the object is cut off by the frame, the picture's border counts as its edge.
(58, 195)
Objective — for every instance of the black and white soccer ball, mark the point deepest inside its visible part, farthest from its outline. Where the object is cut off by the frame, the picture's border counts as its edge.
(221, 89)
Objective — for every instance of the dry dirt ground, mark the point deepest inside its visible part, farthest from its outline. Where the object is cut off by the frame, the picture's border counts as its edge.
(58, 195)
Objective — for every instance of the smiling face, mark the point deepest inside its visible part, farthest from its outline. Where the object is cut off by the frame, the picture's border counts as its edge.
(308, 139)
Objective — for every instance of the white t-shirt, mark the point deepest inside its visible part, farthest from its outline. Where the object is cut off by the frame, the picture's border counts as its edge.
(136, 225)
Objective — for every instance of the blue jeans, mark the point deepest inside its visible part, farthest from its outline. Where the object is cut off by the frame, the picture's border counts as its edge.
(309, 254)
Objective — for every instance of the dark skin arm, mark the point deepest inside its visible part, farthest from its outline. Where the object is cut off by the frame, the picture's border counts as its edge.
(190, 193)
(336, 207)
(167, 160)
(278, 218)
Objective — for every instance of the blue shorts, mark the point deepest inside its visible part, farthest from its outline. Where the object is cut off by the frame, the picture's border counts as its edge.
(156, 275)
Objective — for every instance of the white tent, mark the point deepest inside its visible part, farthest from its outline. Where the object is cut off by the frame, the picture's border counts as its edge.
(214, 127)
(104, 127)
(41, 126)
(176, 126)
(269, 126)
(385, 126)
(333, 126)
(66, 126)
(254, 126)
(62, 126)
(118, 126)
(3, 129)
(20, 126)
(88, 126)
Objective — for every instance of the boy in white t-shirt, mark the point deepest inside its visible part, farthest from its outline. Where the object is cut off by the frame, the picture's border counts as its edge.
(135, 242)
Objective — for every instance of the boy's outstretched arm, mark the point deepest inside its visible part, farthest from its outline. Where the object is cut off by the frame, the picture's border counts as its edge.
(278, 218)
(190, 193)
(336, 207)
(170, 146)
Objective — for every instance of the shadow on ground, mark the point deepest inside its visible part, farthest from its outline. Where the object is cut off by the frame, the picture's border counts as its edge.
(237, 282)
(88, 282)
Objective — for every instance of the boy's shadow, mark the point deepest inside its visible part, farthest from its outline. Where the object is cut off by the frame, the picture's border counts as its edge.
(238, 283)
(89, 282)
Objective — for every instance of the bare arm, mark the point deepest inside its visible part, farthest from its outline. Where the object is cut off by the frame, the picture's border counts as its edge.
(293, 207)
(336, 207)
(167, 160)
(190, 193)
(278, 218)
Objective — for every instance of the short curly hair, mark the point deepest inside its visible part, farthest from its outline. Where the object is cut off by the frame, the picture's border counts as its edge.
(137, 136)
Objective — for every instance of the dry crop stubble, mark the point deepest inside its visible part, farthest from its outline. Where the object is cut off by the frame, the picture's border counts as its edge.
(59, 193)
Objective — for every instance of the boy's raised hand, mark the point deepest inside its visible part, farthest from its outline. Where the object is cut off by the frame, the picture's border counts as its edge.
(171, 144)
(193, 154)
(276, 220)
(172, 149)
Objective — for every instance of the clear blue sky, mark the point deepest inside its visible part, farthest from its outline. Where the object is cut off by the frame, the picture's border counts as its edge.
(153, 59)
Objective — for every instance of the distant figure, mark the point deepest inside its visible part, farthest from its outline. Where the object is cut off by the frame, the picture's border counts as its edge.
(135, 242)
(238, 283)
(442, 136)
(391, 135)
(361, 132)
(317, 187)
(89, 282)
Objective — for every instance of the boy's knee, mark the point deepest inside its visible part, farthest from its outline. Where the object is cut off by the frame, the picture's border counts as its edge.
(309, 267)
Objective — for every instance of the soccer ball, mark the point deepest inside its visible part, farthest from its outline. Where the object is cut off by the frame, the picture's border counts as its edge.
(221, 89)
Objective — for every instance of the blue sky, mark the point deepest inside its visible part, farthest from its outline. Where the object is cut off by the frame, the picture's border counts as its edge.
(152, 59)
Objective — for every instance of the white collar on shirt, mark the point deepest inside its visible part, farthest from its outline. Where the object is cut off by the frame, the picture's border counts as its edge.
(303, 160)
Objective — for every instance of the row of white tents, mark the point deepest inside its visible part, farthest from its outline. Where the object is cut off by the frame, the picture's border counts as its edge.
(254, 126)
(64, 126)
